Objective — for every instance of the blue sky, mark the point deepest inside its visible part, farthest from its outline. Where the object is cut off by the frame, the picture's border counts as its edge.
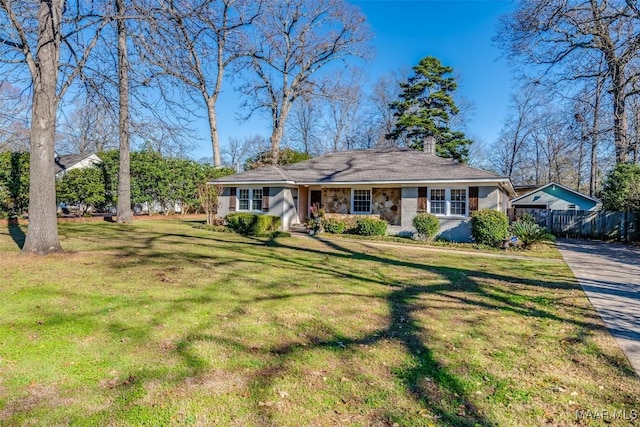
(458, 32)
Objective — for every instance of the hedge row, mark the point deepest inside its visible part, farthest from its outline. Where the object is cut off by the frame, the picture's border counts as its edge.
(253, 225)
(363, 226)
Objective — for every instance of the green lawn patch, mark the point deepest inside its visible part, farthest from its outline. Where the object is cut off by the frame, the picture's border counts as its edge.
(160, 323)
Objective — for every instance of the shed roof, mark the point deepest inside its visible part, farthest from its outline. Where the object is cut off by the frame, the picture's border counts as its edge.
(555, 184)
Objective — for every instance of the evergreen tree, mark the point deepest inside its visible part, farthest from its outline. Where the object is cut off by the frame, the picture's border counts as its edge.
(426, 107)
(621, 190)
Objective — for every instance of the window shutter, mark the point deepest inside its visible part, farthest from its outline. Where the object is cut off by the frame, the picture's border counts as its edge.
(232, 199)
(265, 199)
(473, 199)
(422, 199)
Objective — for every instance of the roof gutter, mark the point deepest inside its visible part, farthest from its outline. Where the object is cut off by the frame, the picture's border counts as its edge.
(504, 183)
(255, 182)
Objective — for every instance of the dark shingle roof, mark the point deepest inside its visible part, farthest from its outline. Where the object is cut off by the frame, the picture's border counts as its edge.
(65, 161)
(265, 174)
(399, 164)
(366, 166)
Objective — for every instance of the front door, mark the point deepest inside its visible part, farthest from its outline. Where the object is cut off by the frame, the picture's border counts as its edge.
(315, 198)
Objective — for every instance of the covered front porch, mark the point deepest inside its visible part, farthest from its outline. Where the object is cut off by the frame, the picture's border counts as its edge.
(383, 202)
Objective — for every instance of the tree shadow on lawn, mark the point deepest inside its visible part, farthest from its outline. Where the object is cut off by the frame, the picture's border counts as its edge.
(424, 377)
(433, 385)
(427, 380)
(17, 234)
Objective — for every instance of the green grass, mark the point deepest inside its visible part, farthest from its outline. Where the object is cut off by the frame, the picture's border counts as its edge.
(159, 323)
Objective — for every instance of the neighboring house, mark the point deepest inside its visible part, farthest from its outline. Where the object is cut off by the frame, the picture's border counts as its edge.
(67, 162)
(552, 196)
(393, 184)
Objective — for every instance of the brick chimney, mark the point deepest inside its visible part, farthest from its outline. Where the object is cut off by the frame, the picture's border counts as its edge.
(429, 145)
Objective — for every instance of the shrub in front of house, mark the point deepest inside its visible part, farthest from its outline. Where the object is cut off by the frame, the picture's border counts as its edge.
(367, 226)
(426, 225)
(529, 233)
(489, 227)
(334, 225)
(249, 224)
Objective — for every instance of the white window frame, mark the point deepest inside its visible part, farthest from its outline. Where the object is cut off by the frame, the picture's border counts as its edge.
(353, 211)
(251, 200)
(443, 201)
(447, 202)
(466, 201)
(241, 199)
(254, 199)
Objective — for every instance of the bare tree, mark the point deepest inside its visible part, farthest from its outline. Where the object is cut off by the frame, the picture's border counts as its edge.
(343, 107)
(14, 122)
(291, 42)
(517, 130)
(208, 197)
(303, 126)
(551, 137)
(193, 43)
(125, 215)
(589, 110)
(239, 150)
(568, 38)
(35, 33)
(161, 135)
(88, 128)
(385, 90)
(634, 129)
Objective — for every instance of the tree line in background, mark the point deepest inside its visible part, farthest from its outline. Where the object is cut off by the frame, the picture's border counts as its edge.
(147, 68)
(156, 181)
(577, 112)
(152, 60)
(151, 66)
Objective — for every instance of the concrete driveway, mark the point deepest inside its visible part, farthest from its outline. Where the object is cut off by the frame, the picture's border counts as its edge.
(610, 276)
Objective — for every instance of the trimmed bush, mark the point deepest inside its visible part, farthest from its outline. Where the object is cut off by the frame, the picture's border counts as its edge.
(489, 227)
(334, 225)
(253, 225)
(530, 233)
(370, 227)
(426, 225)
(216, 228)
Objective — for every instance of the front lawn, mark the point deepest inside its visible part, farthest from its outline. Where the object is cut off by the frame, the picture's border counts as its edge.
(160, 323)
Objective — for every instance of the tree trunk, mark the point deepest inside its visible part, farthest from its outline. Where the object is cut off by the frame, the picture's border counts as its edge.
(580, 160)
(279, 119)
(276, 136)
(124, 175)
(42, 234)
(619, 114)
(213, 129)
(593, 172)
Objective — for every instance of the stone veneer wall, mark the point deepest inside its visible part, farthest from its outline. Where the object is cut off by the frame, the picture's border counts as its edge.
(336, 200)
(386, 203)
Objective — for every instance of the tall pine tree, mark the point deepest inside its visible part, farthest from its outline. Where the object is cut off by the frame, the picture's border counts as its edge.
(425, 109)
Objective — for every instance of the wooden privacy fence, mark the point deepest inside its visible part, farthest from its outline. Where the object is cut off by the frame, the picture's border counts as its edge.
(602, 225)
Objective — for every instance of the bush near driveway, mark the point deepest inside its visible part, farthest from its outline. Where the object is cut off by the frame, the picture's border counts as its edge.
(530, 233)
